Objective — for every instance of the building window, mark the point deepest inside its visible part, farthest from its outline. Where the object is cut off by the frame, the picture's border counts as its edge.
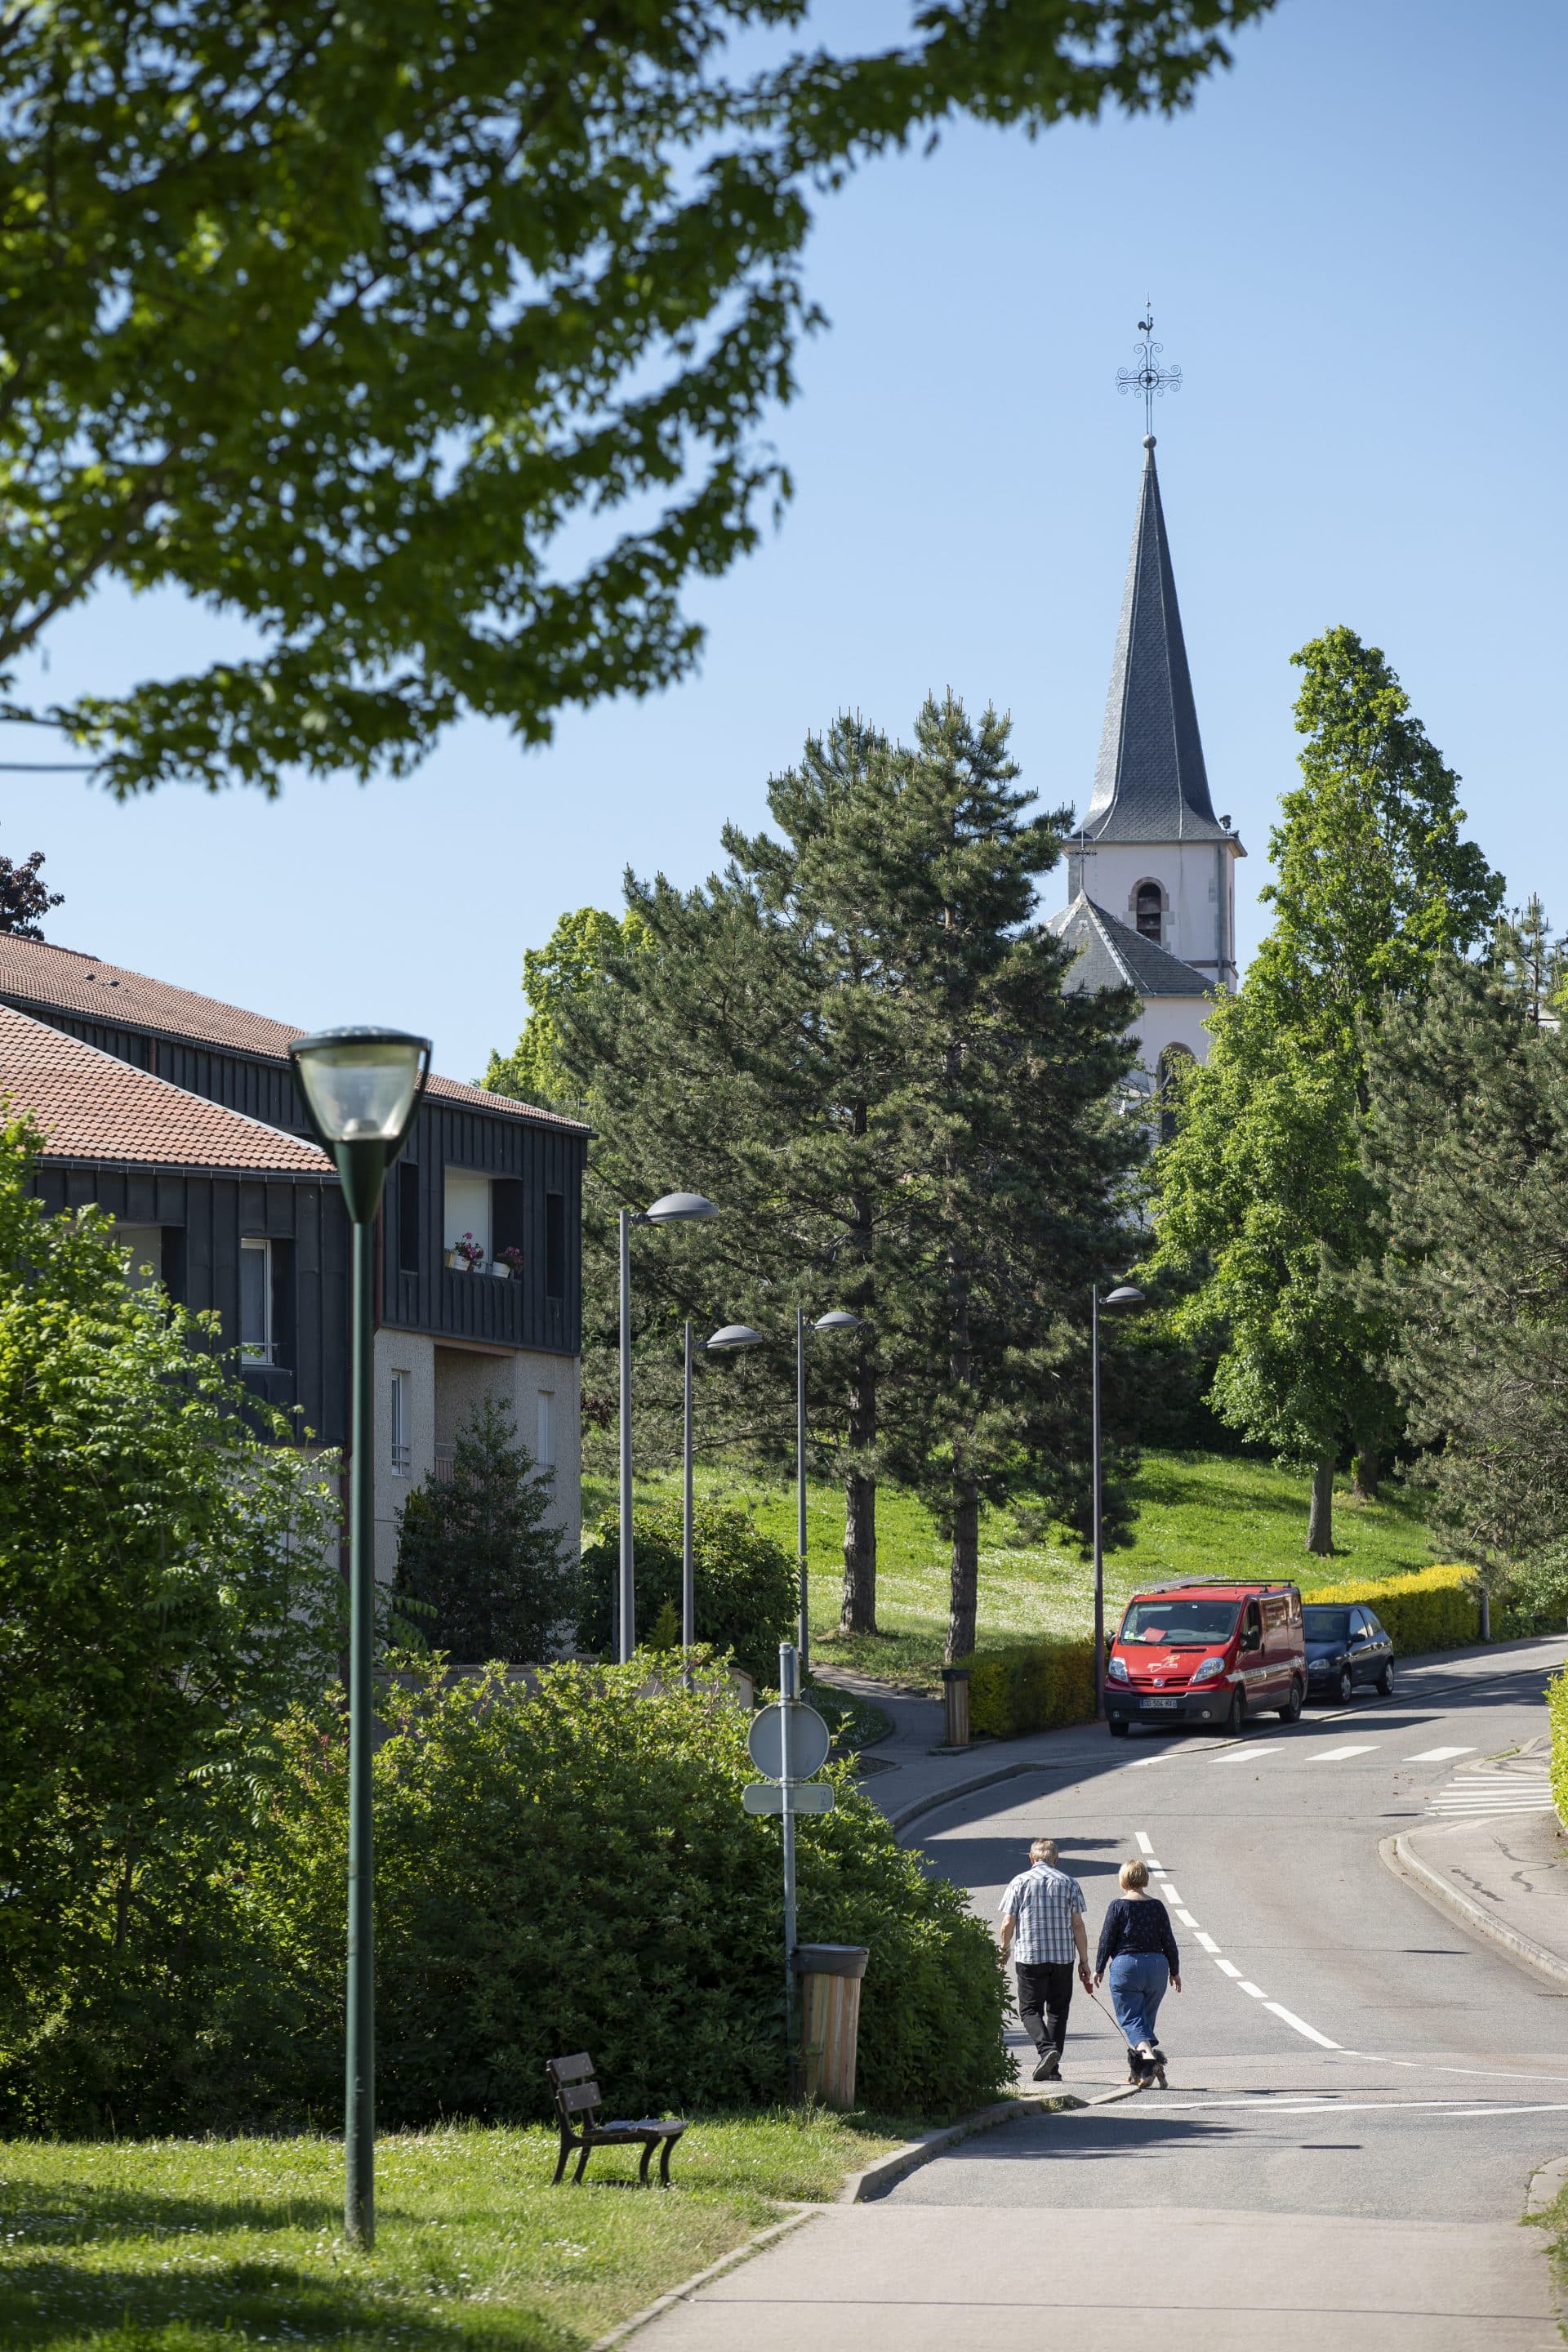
(555, 1245)
(1149, 907)
(255, 1302)
(402, 1443)
(545, 1455)
(467, 1210)
(408, 1218)
(143, 1246)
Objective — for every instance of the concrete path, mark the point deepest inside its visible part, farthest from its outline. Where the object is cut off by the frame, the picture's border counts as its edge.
(1360, 2091)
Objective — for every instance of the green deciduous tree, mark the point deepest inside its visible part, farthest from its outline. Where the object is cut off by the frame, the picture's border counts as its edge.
(576, 956)
(490, 1576)
(368, 326)
(167, 1589)
(857, 1041)
(1264, 1185)
(745, 1583)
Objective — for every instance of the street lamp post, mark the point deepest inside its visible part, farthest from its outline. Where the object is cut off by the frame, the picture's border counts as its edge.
(1122, 1300)
(362, 1089)
(671, 1209)
(736, 1336)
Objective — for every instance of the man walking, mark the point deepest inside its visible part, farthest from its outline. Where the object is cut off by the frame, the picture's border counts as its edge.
(1042, 1926)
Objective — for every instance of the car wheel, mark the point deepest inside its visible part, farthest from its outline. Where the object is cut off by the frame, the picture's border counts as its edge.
(1385, 1681)
(1291, 1710)
(1116, 1730)
(1236, 1719)
(1347, 1688)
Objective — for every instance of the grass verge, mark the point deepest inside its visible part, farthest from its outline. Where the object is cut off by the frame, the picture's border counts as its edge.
(202, 2245)
(1198, 1515)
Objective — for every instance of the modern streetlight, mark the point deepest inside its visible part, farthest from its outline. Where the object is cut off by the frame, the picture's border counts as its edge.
(740, 1335)
(671, 1209)
(362, 1088)
(1122, 1300)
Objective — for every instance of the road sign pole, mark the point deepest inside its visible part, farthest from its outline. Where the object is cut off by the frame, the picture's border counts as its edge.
(788, 1692)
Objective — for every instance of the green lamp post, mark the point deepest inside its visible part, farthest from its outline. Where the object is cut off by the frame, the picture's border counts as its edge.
(362, 1088)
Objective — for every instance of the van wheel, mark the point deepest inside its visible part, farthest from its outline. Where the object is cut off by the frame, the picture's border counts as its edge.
(1231, 1725)
(1116, 1730)
(1291, 1710)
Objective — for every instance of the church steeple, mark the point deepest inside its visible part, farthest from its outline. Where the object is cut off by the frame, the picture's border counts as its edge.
(1149, 784)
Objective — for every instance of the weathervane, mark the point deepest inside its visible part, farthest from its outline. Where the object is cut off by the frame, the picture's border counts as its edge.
(1149, 377)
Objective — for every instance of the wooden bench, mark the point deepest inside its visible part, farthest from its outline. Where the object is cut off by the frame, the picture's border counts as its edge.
(578, 2100)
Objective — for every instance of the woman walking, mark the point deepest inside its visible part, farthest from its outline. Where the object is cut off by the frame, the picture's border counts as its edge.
(1137, 1952)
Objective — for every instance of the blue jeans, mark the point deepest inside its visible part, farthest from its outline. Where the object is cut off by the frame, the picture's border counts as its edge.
(1137, 1982)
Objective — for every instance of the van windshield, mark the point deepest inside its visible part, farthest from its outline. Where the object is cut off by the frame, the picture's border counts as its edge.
(1180, 1624)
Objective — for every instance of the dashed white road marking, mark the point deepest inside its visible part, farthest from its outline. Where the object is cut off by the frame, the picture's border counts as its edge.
(1301, 2025)
(1438, 1754)
(1145, 1845)
(1264, 2102)
(1229, 1966)
(1185, 1918)
(1206, 1941)
(1337, 1755)
(1255, 1991)
(1170, 1896)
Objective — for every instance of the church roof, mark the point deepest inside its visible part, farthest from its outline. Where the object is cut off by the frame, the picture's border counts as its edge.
(1149, 784)
(1111, 955)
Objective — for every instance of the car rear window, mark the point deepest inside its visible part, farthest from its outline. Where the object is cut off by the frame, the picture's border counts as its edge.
(1326, 1624)
(1180, 1624)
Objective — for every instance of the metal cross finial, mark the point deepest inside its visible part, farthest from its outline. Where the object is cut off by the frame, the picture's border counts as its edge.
(1149, 377)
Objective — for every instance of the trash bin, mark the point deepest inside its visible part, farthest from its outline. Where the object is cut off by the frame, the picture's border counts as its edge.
(830, 1977)
(956, 1699)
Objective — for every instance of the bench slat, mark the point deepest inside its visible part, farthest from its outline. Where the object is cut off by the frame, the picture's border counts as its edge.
(571, 2070)
(575, 2096)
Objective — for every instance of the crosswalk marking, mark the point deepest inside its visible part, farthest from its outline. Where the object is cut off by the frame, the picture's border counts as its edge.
(1337, 1755)
(1253, 1751)
(1438, 1754)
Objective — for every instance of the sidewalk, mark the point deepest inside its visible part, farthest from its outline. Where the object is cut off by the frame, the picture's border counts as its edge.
(1503, 1874)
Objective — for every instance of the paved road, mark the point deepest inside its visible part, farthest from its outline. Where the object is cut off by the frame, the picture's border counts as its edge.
(1358, 2093)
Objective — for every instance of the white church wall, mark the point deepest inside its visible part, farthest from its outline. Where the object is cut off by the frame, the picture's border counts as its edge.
(1172, 1021)
(1191, 874)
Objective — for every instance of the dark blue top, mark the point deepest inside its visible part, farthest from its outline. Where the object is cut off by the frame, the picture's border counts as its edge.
(1141, 1927)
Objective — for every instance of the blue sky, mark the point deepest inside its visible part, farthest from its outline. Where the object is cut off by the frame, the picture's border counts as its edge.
(1354, 246)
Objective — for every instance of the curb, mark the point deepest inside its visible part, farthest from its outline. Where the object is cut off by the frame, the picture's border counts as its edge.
(1405, 1864)
(1545, 2186)
(969, 1788)
(862, 2187)
(754, 2245)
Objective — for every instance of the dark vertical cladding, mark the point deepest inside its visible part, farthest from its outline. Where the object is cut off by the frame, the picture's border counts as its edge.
(410, 1255)
(555, 1246)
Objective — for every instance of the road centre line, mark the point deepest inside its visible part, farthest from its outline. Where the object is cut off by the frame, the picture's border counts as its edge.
(1229, 1966)
(1281, 2104)
(1144, 1846)
(1185, 1918)
(1255, 1991)
(1301, 2025)
(1206, 1941)
(1170, 1896)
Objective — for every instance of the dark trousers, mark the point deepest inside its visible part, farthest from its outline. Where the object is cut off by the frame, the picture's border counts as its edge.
(1045, 1996)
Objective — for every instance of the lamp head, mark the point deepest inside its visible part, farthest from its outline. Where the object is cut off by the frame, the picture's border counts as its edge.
(837, 1319)
(679, 1208)
(735, 1337)
(1124, 1299)
(362, 1088)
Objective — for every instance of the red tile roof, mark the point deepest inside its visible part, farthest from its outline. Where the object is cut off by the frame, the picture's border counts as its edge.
(35, 972)
(91, 1106)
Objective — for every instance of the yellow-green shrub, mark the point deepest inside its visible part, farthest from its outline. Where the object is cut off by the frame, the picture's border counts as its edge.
(1031, 1687)
(1557, 1711)
(1435, 1609)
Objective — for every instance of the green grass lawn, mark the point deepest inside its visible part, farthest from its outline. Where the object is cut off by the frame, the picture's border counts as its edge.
(203, 2245)
(1198, 1515)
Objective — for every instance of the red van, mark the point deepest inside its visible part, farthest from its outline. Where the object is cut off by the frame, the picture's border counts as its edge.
(1202, 1653)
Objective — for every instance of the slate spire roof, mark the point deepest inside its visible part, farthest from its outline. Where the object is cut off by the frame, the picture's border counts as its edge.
(1149, 784)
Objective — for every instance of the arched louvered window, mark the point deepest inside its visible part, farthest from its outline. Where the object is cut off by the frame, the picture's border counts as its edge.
(1149, 910)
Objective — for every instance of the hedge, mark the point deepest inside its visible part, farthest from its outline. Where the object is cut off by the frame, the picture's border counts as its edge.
(1031, 1687)
(1435, 1609)
(1557, 1710)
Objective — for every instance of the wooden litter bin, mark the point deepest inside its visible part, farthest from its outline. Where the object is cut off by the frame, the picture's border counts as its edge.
(830, 1977)
(956, 1699)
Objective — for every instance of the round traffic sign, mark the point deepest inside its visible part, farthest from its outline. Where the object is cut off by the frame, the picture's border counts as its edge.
(809, 1740)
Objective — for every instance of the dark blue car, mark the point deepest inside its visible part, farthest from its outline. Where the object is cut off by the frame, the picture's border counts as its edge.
(1346, 1649)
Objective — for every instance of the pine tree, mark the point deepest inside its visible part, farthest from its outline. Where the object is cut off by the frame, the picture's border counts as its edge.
(487, 1573)
(1264, 1183)
(1468, 1142)
(857, 1041)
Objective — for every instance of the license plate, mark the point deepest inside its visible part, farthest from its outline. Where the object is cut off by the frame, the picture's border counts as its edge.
(1158, 1702)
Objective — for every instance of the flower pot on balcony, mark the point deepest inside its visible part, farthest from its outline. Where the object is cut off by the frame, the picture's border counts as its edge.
(502, 1273)
(458, 1265)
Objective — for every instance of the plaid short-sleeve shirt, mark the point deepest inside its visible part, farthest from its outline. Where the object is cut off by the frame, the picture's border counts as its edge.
(1042, 1900)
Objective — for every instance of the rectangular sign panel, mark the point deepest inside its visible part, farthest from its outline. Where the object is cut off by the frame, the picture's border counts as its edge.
(767, 1797)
